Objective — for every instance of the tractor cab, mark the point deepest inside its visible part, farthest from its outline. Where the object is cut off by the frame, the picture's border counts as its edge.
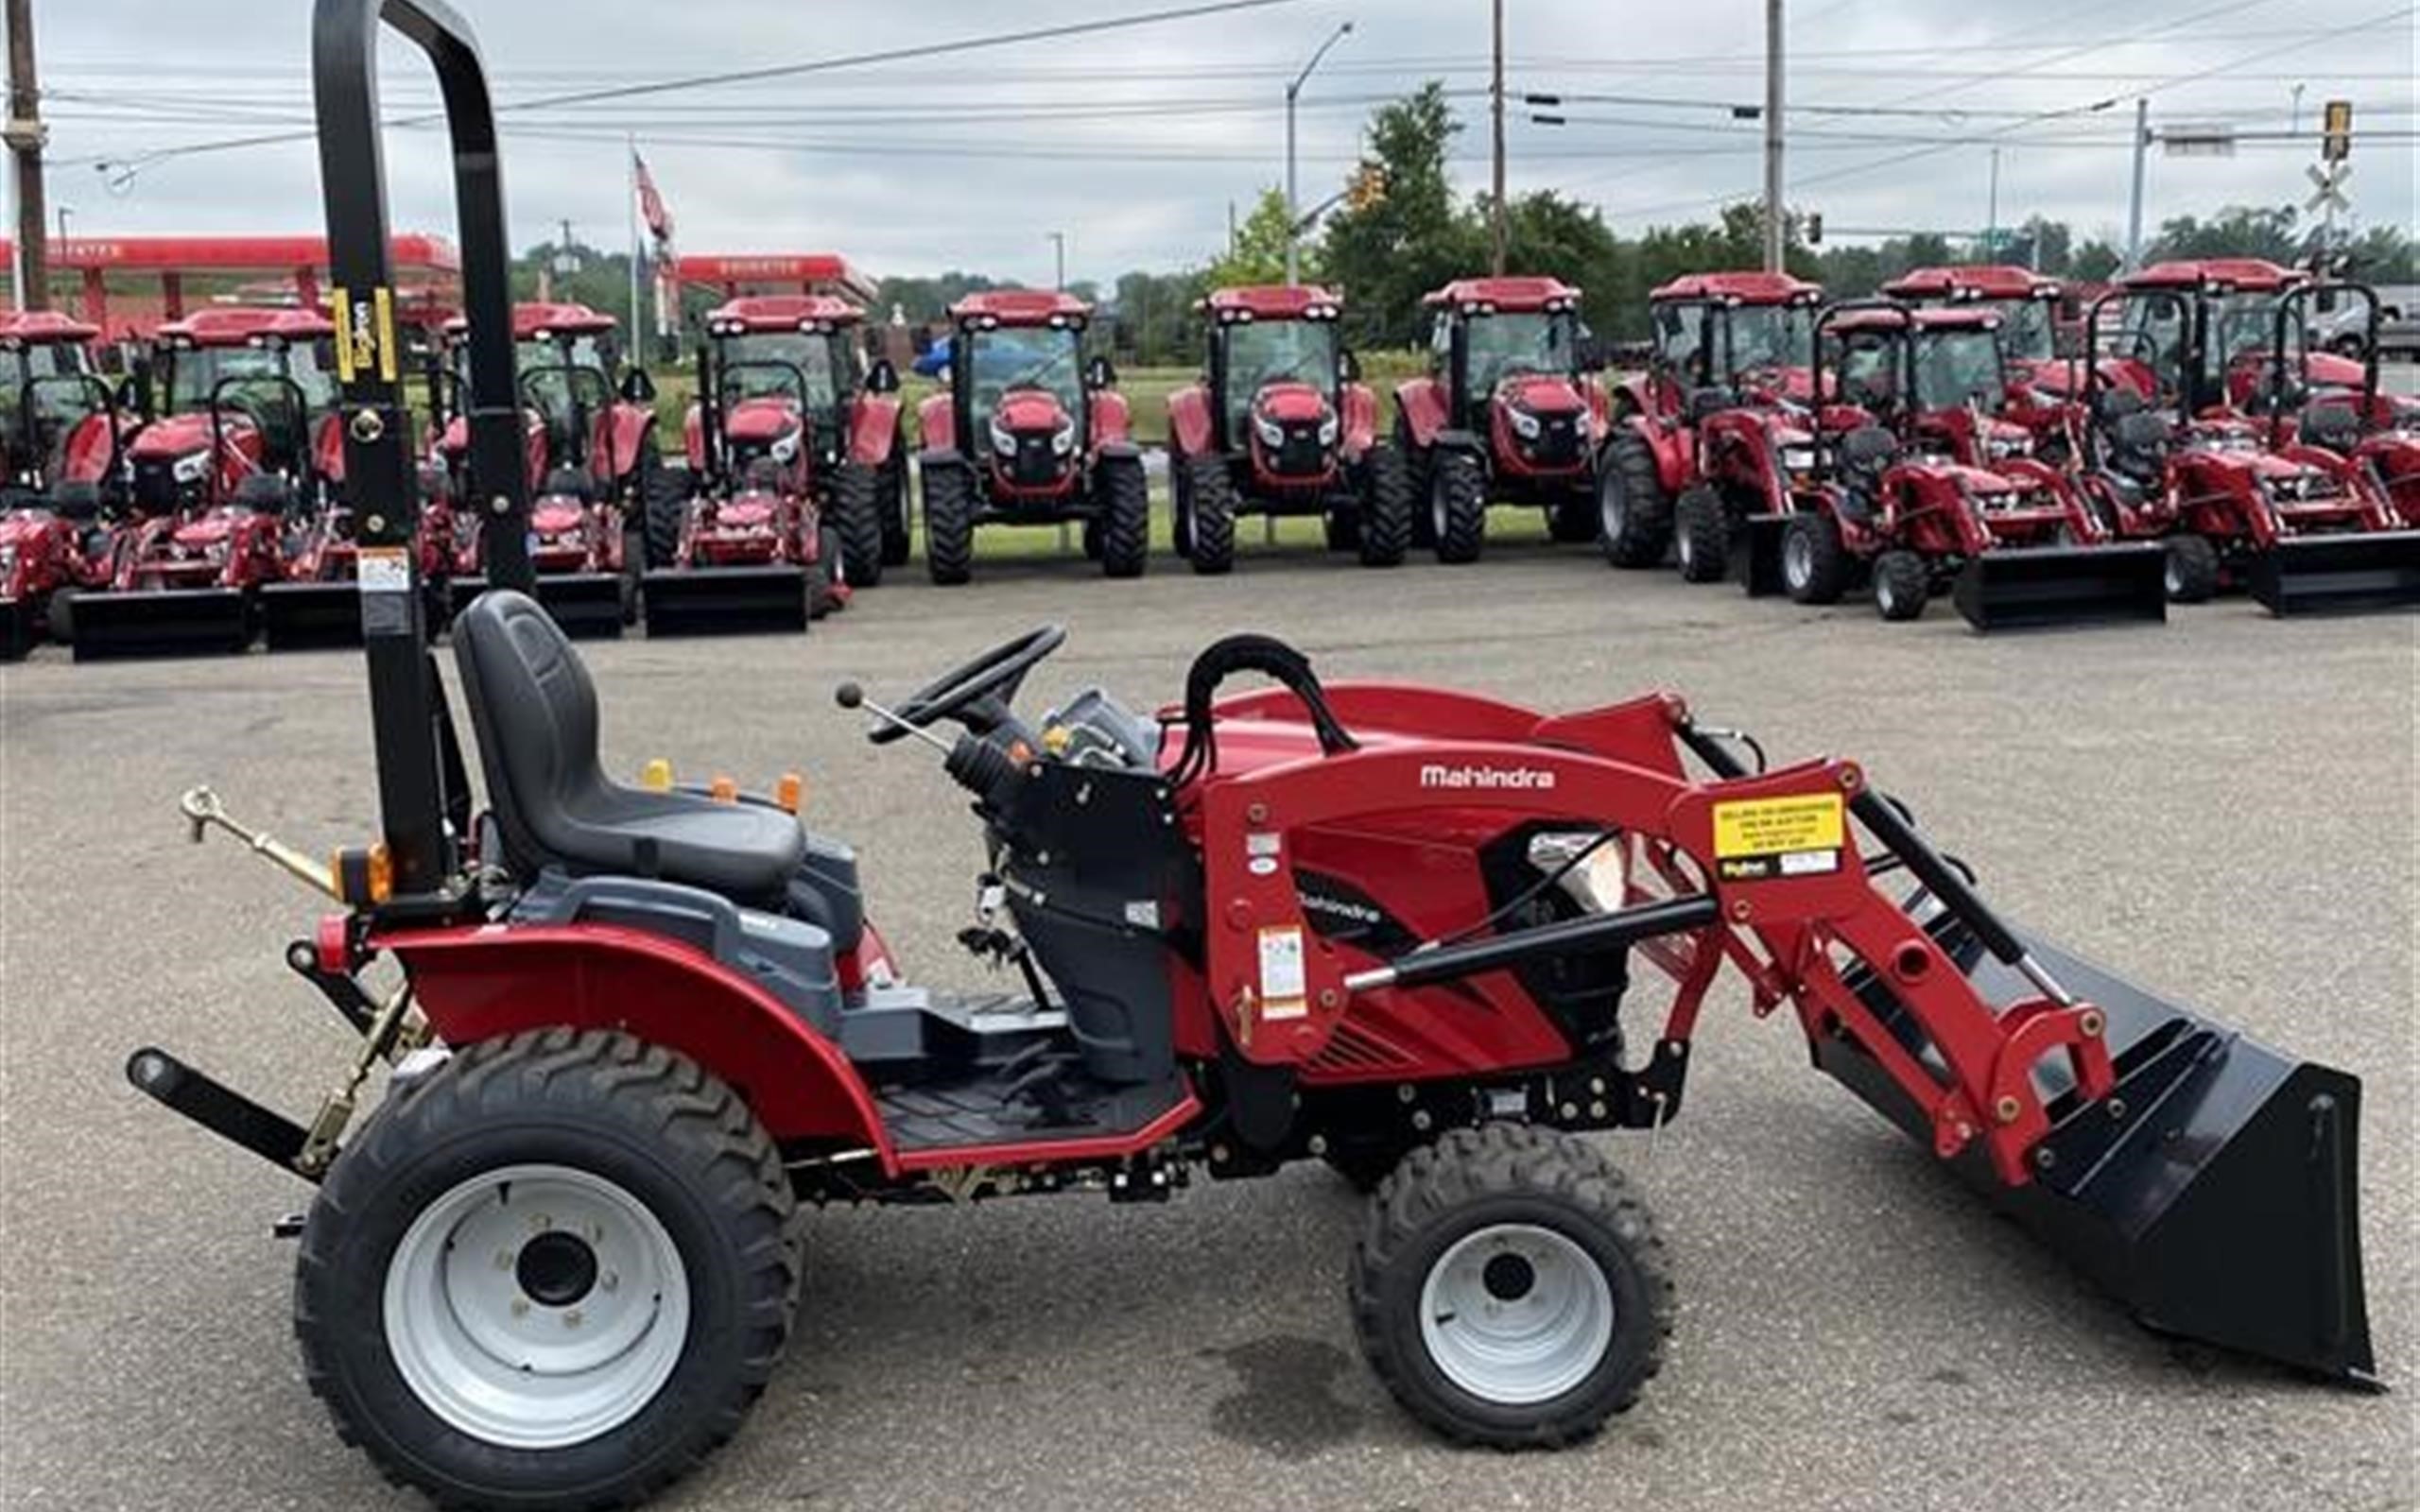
(2026, 302)
(1276, 371)
(61, 422)
(2208, 334)
(247, 400)
(1724, 340)
(1017, 381)
(783, 371)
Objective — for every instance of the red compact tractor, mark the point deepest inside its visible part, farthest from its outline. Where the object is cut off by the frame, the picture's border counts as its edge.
(1029, 434)
(590, 442)
(1913, 481)
(2376, 432)
(1280, 423)
(2193, 466)
(2044, 385)
(243, 452)
(1708, 438)
(63, 437)
(1510, 409)
(1437, 940)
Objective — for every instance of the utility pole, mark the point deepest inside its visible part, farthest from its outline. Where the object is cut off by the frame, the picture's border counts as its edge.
(2134, 201)
(24, 136)
(1495, 106)
(1775, 237)
(1059, 260)
(1992, 215)
(1293, 206)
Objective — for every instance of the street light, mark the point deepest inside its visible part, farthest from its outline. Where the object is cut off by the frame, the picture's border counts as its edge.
(1059, 259)
(64, 210)
(1293, 216)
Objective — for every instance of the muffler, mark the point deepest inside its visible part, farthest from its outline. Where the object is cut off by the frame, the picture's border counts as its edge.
(725, 601)
(161, 622)
(2045, 587)
(2337, 574)
(310, 616)
(2214, 1193)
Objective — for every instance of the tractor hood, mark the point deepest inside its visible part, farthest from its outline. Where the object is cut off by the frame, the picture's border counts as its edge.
(175, 435)
(1030, 411)
(1290, 404)
(205, 533)
(556, 516)
(1542, 395)
(763, 419)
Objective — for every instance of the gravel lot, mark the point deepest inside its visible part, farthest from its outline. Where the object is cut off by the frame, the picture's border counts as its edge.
(2223, 809)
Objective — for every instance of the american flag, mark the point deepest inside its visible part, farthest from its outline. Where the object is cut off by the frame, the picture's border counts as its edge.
(659, 220)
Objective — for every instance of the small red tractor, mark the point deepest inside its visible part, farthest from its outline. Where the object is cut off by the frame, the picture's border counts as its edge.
(2192, 465)
(1030, 433)
(1706, 439)
(794, 449)
(1280, 423)
(2376, 432)
(2044, 384)
(62, 435)
(1914, 481)
(244, 450)
(595, 464)
(1510, 409)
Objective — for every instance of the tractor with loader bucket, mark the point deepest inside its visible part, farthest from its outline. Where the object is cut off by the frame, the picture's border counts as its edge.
(2043, 385)
(1280, 423)
(62, 442)
(1914, 483)
(789, 414)
(1431, 938)
(1030, 433)
(1510, 410)
(1705, 439)
(588, 442)
(245, 450)
(2174, 457)
(2375, 433)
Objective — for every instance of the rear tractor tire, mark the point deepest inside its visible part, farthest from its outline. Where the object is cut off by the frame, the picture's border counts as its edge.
(1510, 1289)
(1213, 515)
(856, 512)
(1386, 507)
(1814, 564)
(1456, 507)
(891, 501)
(1701, 531)
(664, 503)
(556, 1272)
(1125, 498)
(1633, 513)
(949, 523)
(2192, 570)
(1902, 585)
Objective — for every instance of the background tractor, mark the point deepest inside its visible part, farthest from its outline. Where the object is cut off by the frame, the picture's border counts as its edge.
(1705, 438)
(1029, 434)
(62, 435)
(1510, 409)
(1279, 423)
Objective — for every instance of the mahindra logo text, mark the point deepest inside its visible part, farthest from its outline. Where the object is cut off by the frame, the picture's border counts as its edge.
(1438, 775)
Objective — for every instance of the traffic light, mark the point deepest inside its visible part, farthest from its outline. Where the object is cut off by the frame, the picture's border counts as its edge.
(1814, 228)
(1369, 187)
(2336, 127)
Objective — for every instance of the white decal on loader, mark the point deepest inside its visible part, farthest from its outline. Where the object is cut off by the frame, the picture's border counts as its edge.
(1438, 775)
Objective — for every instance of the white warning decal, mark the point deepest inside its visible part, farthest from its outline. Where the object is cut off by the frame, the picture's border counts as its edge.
(1284, 991)
(384, 570)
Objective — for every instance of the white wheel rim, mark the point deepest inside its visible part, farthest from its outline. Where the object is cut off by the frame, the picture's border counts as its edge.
(1514, 1313)
(1610, 507)
(1688, 547)
(1797, 560)
(546, 1370)
(1436, 511)
(2174, 572)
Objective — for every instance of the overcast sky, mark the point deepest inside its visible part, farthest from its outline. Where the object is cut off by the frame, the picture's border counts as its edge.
(1133, 142)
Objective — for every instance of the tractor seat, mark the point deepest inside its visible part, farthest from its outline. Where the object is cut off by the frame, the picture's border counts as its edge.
(534, 713)
(2335, 426)
(1868, 449)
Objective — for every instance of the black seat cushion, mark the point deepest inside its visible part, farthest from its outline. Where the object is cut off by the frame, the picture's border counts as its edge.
(1868, 449)
(534, 712)
(2332, 424)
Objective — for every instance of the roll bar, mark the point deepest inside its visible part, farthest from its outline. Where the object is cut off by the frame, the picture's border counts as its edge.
(1815, 362)
(2294, 299)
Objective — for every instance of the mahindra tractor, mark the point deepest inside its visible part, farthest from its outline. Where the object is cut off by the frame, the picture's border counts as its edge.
(1707, 437)
(1029, 434)
(590, 443)
(242, 455)
(626, 1036)
(1280, 423)
(2235, 501)
(792, 446)
(1915, 484)
(1510, 409)
(2376, 432)
(62, 435)
(2044, 384)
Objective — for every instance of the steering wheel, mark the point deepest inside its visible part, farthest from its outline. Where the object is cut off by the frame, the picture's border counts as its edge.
(978, 692)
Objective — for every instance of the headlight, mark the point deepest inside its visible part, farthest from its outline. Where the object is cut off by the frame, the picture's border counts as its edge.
(1584, 425)
(191, 469)
(8, 560)
(1798, 458)
(1063, 440)
(1271, 433)
(784, 448)
(1003, 441)
(1525, 425)
(2007, 447)
(1598, 879)
(1328, 431)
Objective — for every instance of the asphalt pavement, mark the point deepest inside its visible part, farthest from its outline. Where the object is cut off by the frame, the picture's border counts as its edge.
(2222, 808)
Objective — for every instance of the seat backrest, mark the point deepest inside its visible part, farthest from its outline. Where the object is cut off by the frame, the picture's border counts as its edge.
(534, 714)
(1868, 449)
(2332, 424)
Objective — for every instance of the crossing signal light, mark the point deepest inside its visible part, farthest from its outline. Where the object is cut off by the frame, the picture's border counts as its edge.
(2336, 129)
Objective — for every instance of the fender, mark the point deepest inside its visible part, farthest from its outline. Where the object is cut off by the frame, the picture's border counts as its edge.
(1108, 417)
(1189, 427)
(86, 456)
(1359, 419)
(1421, 405)
(1120, 450)
(1601, 405)
(490, 980)
(693, 440)
(1674, 450)
(937, 423)
(630, 425)
(1636, 395)
(1742, 440)
(327, 449)
(873, 429)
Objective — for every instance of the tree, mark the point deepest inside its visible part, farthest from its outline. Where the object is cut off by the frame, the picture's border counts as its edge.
(1385, 254)
(2095, 261)
(1546, 234)
(2237, 230)
(1258, 255)
(1153, 320)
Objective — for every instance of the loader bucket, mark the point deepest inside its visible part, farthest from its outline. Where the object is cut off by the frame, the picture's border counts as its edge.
(461, 591)
(16, 629)
(307, 616)
(587, 606)
(2213, 1192)
(725, 600)
(1756, 554)
(2049, 586)
(174, 622)
(2335, 575)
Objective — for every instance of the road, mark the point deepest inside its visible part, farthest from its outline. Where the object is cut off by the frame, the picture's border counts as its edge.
(2223, 809)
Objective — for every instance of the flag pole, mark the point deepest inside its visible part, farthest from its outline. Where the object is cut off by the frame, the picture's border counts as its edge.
(630, 172)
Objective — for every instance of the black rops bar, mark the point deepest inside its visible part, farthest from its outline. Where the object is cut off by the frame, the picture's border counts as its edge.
(380, 477)
(1594, 934)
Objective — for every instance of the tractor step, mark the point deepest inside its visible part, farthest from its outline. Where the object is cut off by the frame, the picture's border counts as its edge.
(1022, 1104)
(310, 616)
(2049, 587)
(725, 601)
(173, 622)
(2337, 574)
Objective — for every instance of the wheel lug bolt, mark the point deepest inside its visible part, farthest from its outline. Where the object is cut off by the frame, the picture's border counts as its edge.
(571, 1319)
(609, 1282)
(504, 1260)
(521, 1306)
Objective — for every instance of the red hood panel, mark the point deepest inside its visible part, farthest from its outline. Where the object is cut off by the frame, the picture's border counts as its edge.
(174, 435)
(1542, 395)
(1028, 409)
(1290, 402)
(760, 419)
(555, 519)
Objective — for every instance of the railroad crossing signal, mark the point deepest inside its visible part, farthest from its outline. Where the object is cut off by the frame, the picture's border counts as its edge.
(2336, 131)
(2330, 181)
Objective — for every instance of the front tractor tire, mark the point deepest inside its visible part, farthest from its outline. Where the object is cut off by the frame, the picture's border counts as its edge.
(1456, 507)
(1210, 515)
(1814, 562)
(1386, 507)
(949, 523)
(663, 504)
(891, 503)
(1510, 1289)
(1902, 585)
(555, 1273)
(1633, 513)
(1125, 516)
(2191, 574)
(857, 514)
(1701, 535)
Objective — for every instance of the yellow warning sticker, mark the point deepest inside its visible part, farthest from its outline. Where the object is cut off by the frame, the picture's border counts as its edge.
(364, 334)
(1779, 826)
